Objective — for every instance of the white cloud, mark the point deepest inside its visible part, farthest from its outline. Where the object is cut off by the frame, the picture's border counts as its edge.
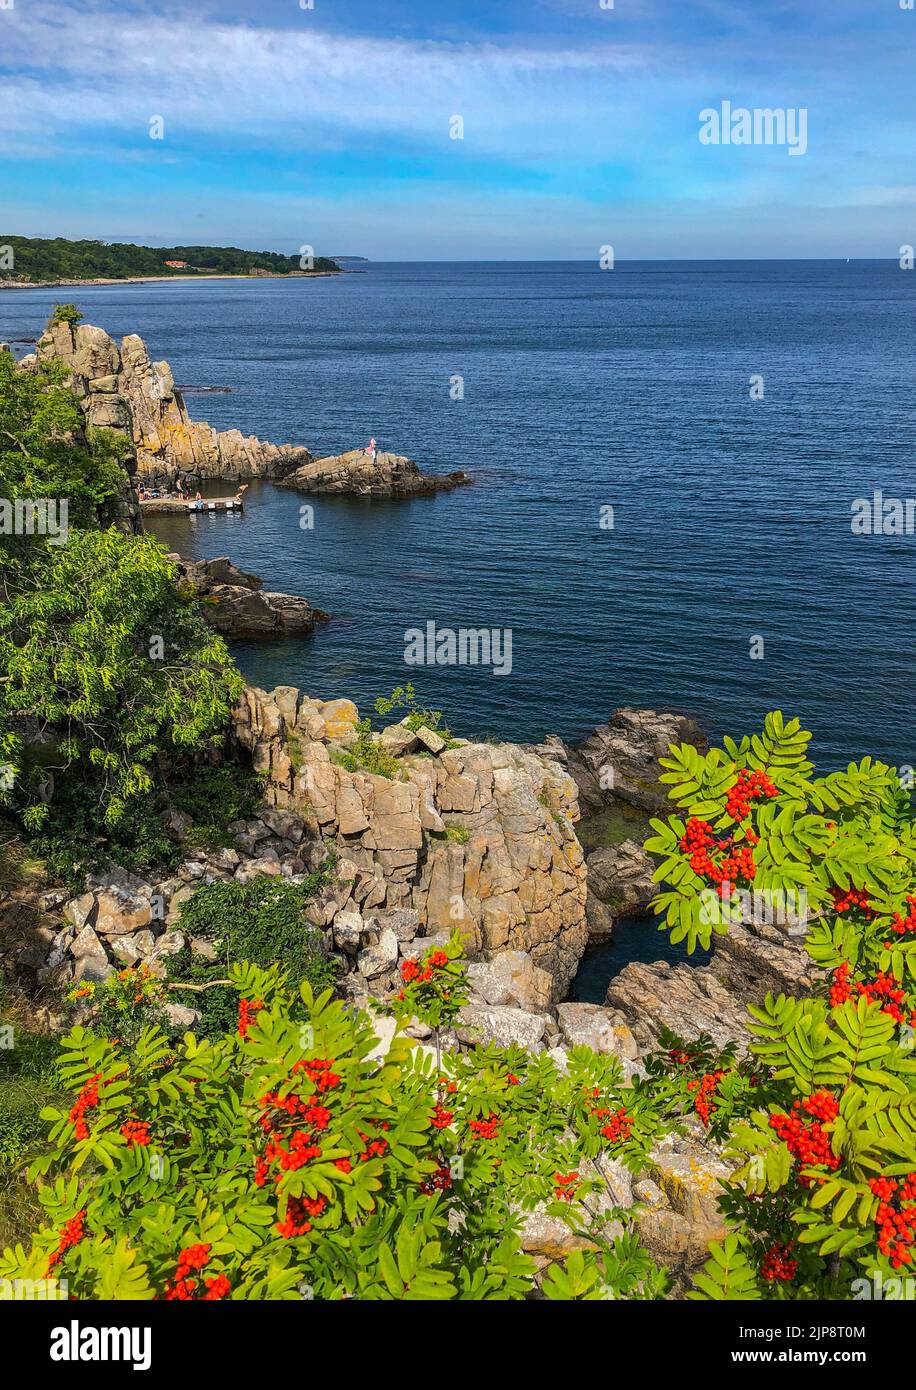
(113, 71)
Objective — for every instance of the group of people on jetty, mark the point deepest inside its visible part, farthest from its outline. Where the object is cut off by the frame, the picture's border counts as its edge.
(180, 494)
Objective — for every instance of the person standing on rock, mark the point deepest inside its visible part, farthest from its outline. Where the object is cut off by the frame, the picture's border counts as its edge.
(372, 449)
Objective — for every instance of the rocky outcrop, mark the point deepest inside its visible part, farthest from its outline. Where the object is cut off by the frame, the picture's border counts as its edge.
(619, 760)
(619, 884)
(475, 836)
(119, 388)
(356, 472)
(753, 959)
(233, 601)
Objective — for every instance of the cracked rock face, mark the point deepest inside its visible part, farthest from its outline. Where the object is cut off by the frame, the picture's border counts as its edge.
(120, 388)
(753, 959)
(356, 471)
(478, 837)
(620, 758)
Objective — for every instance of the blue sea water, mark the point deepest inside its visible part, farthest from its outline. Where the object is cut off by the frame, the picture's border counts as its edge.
(583, 389)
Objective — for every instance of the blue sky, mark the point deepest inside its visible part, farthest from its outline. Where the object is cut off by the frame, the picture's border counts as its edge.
(329, 126)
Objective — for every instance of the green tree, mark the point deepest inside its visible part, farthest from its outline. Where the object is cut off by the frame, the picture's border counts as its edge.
(45, 453)
(115, 666)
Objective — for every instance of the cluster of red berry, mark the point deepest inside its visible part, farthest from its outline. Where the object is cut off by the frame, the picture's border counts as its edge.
(808, 1142)
(619, 1125)
(844, 899)
(248, 1011)
(136, 1132)
(698, 841)
(439, 1181)
(72, 1234)
(703, 1090)
(901, 925)
(749, 787)
(896, 1223)
(182, 1287)
(777, 1264)
(485, 1129)
(442, 1118)
(413, 972)
(87, 1099)
(567, 1185)
(299, 1214)
(293, 1124)
(884, 990)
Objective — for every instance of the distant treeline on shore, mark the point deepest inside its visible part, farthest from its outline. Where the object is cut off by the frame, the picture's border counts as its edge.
(55, 258)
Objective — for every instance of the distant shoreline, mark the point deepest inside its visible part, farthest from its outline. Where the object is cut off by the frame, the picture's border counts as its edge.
(152, 279)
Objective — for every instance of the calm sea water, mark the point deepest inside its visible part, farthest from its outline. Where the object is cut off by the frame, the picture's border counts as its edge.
(583, 389)
(635, 938)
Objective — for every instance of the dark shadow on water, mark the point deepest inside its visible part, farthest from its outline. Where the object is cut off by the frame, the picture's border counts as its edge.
(635, 938)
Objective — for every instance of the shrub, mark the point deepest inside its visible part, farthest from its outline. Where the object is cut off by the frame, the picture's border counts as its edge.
(283, 1160)
(823, 1124)
(261, 921)
(65, 313)
(97, 643)
(28, 1080)
(416, 717)
(74, 841)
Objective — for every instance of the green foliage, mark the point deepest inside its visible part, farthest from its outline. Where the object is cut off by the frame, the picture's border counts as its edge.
(65, 313)
(73, 841)
(122, 1005)
(260, 921)
(56, 258)
(305, 1166)
(434, 986)
(80, 652)
(404, 697)
(28, 1080)
(45, 453)
(821, 1124)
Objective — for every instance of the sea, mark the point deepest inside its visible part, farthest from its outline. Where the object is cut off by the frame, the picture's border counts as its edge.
(666, 457)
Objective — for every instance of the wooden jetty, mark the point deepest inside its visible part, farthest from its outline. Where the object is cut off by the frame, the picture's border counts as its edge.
(177, 506)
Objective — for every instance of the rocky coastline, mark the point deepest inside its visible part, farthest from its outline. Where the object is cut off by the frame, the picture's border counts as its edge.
(120, 388)
(476, 836)
(452, 834)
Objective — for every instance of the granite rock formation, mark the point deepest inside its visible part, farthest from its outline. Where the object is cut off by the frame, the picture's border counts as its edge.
(119, 388)
(753, 959)
(619, 760)
(235, 604)
(356, 472)
(475, 836)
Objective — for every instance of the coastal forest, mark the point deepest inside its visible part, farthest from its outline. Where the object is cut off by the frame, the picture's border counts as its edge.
(56, 258)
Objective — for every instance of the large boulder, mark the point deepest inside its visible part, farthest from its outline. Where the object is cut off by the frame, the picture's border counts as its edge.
(597, 1028)
(479, 1023)
(620, 878)
(620, 759)
(511, 978)
(235, 603)
(123, 903)
(385, 475)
